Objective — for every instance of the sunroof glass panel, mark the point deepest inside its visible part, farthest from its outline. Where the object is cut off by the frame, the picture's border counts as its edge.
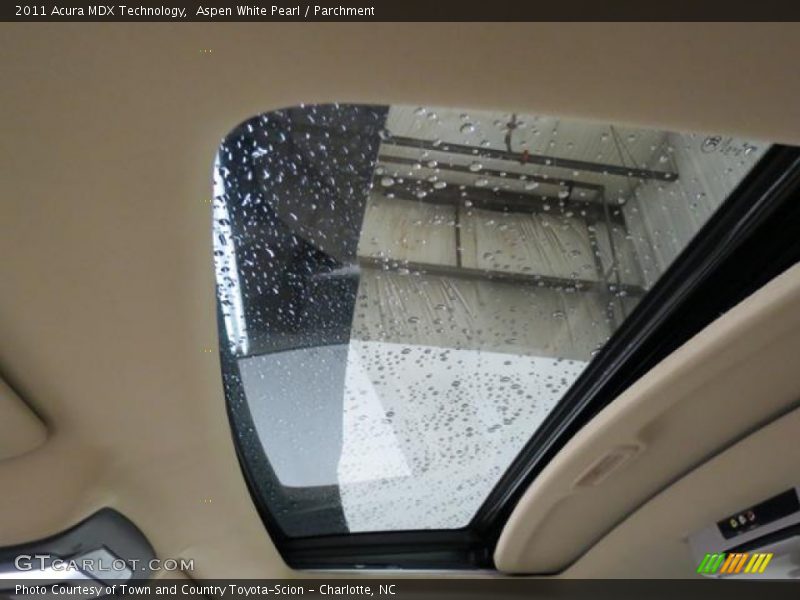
(407, 292)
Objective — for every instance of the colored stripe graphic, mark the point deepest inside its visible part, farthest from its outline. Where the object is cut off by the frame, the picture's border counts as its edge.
(732, 559)
(711, 563)
(733, 563)
(740, 564)
(701, 568)
(767, 558)
(758, 563)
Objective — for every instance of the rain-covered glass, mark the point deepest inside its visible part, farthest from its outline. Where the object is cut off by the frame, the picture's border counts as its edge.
(406, 292)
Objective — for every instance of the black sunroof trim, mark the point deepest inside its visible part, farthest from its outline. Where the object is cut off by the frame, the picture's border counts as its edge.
(716, 270)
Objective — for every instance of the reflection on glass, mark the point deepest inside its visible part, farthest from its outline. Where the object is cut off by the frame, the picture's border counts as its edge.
(407, 292)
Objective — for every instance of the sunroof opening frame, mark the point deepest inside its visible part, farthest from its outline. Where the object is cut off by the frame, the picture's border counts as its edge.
(704, 281)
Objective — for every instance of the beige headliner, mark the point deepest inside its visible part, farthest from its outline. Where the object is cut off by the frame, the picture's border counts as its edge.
(107, 141)
(730, 379)
(652, 542)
